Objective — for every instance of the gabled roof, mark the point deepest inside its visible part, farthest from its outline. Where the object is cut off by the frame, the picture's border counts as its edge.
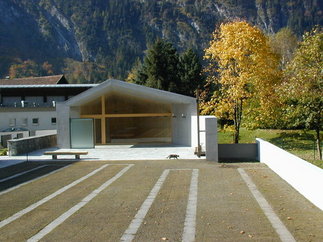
(43, 80)
(129, 89)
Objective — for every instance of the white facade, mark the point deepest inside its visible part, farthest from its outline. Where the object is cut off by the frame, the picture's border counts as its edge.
(28, 118)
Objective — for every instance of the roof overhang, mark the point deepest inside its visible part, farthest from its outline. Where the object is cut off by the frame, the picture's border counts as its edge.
(128, 89)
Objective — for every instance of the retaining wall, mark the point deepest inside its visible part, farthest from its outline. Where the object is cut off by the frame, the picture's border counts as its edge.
(306, 178)
(29, 144)
(238, 152)
(5, 136)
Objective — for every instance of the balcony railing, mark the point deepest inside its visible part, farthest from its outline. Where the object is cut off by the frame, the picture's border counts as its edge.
(25, 104)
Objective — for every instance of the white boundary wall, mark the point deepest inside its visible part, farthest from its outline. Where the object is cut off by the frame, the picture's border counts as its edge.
(306, 178)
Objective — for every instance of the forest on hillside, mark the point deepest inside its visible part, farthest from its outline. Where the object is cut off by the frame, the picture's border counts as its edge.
(92, 40)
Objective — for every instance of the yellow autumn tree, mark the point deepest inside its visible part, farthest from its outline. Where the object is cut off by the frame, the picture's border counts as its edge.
(245, 72)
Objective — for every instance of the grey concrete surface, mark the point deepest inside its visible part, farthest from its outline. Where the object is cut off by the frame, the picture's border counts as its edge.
(110, 152)
(211, 139)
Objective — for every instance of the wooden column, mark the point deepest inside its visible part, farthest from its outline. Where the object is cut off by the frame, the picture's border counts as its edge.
(103, 123)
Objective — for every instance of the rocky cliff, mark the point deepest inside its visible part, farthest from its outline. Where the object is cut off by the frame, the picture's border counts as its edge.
(116, 32)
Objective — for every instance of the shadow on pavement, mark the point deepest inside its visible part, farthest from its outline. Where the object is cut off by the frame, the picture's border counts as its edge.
(14, 175)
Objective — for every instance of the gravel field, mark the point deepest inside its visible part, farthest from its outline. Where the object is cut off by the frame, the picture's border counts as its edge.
(155, 200)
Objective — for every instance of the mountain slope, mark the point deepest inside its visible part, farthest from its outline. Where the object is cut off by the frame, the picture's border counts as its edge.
(114, 33)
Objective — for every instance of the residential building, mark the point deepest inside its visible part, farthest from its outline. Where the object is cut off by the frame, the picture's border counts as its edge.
(30, 103)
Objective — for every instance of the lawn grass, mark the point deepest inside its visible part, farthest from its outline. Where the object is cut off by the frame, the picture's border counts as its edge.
(3, 151)
(297, 142)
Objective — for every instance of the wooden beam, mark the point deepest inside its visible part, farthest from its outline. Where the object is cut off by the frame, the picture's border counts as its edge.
(103, 122)
(126, 115)
(102, 105)
(135, 115)
(95, 116)
(103, 131)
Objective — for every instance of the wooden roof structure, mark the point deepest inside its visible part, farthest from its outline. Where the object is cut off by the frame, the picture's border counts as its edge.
(129, 89)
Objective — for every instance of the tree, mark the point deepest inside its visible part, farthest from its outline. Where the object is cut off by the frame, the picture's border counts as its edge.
(160, 67)
(284, 43)
(165, 69)
(303, 85)
(29, 68)
(246, 71)
(190, 72)
(47, 69)
(137, 75)
(84, 72)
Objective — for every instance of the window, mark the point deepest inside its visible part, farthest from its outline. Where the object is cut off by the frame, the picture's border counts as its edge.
(24, 122)
(12, 122)
(53, 121)
(35, 121)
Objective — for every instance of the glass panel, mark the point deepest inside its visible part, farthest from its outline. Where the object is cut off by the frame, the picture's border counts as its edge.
(35, 121)
(53, 121)
(82, 133)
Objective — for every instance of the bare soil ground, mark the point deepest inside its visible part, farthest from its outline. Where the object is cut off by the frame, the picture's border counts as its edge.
(226, 209)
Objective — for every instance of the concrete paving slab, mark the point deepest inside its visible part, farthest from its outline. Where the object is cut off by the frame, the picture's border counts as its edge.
(109, 152)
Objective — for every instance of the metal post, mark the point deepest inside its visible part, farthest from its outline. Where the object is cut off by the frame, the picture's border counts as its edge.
(199, 150)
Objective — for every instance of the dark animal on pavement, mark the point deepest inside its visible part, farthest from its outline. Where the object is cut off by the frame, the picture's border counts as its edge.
(174, 156)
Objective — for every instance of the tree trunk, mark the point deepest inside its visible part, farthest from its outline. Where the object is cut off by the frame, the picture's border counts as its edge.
(318, 143)
(236, 135)
(237, 120)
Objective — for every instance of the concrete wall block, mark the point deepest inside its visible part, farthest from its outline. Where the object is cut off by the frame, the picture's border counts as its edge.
(20, 135)
(63, 125)
(238, 152)
(45, 132)
(211, 139)
(181, 124)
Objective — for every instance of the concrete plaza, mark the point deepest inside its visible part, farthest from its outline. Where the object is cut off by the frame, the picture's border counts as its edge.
(110, 152)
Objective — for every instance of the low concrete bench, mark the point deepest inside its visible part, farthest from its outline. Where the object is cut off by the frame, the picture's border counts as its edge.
(54, 154)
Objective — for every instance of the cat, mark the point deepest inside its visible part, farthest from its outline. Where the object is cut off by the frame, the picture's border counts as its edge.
(174, 156)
